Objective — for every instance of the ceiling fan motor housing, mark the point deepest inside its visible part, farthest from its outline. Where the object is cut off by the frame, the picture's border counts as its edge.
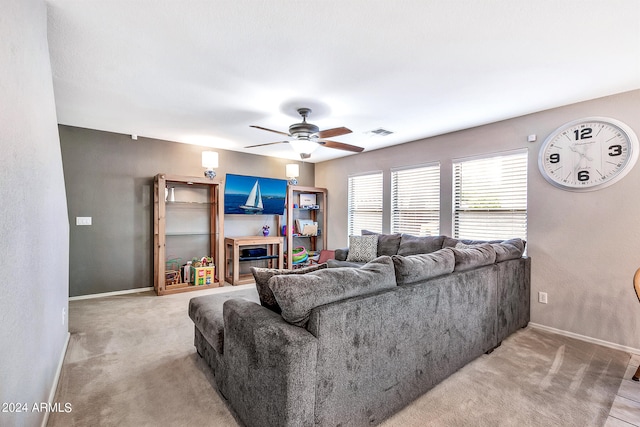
(303, 130)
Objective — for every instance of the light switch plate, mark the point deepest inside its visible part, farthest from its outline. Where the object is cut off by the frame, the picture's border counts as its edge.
(83, 220)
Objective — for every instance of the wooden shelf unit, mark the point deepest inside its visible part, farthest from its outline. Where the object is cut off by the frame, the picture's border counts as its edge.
(208, 212)
(311, 243)
(233, 258)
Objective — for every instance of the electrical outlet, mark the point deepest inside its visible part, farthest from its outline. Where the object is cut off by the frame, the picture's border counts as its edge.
(542, 297)
(64, 315)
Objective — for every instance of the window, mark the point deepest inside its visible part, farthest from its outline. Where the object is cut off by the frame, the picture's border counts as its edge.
(490, 197)
(415, 200)
(365, 203)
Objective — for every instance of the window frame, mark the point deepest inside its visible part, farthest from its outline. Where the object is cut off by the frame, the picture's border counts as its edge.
(514, 221)
(377, 211)
(428, 214)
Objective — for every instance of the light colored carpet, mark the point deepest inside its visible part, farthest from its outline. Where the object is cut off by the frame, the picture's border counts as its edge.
(131, 362)
(534, 378)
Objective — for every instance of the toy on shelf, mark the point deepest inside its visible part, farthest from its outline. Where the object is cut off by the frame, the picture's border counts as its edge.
(202, 271)
(300, 255)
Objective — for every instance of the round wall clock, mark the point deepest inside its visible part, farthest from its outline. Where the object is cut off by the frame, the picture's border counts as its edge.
(588, 154)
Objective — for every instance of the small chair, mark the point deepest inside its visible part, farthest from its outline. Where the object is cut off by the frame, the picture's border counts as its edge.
(636, 285)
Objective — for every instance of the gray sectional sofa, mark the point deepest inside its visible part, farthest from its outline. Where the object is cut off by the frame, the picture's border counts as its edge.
(350, 346)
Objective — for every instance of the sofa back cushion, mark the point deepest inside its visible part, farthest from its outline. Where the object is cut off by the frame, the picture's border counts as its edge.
(413, 245)
(262, 276)
(469, 257)
(508, 249)
(505, 249)
(415, 268)
(297, 295)
(388, 244)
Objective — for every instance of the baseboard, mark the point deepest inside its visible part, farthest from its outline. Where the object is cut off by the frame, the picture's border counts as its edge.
(110, 294)
(137, 290)
(586, 338)
(56, 378)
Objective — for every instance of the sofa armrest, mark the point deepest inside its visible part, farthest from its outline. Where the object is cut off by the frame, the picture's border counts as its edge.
(270, 367)
(341, 254)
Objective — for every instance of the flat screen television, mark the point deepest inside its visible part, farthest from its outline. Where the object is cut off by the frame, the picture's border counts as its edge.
(254, 195)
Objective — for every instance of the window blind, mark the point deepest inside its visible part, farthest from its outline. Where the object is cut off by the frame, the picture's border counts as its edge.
(415, 200)
(490, 197)
(365, 203)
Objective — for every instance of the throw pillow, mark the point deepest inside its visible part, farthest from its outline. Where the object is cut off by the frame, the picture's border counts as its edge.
(388, 244)
(415, 268)
(362, 248)
(414, 245)
(262, 276)
(472, 257)
(298, 295)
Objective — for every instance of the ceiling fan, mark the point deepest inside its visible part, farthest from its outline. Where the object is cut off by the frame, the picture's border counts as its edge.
(307, 137)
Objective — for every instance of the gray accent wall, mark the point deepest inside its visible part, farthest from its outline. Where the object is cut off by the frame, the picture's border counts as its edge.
(34, 231)
(585, 247)
(109, 177)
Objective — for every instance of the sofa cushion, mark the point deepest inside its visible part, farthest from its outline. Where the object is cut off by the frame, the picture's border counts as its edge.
(415, 268)
(262, 276)
(505, 249)
(388, 244)
(334, 263)
(508, 249)
(413, 245)
(207, 314)
(298, 295)
(473, 256)
(451, 242)
(362, 248)
(341, 254)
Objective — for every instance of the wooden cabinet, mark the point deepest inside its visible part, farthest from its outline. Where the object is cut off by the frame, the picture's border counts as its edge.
(305, 205)
(188, 215)
(234, 255)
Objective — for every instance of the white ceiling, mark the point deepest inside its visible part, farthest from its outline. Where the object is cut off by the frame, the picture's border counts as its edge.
(203, 71)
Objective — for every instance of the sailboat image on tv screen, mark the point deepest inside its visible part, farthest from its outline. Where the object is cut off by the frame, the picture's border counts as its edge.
(254, 201)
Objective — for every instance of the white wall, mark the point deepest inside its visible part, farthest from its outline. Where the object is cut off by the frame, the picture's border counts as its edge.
(585, 247)
(34, 231)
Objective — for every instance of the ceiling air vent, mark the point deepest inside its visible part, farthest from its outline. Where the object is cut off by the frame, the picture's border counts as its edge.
(380, 132)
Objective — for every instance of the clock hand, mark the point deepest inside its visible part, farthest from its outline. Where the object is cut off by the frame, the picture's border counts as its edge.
(583, 155)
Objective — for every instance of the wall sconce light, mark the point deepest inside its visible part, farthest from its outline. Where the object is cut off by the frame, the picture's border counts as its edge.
(209, 162)
(292, 171)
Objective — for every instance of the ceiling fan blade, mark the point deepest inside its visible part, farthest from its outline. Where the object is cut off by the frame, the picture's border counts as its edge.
(270, 130)
(330, 133)
(341, 146)
(268, 143)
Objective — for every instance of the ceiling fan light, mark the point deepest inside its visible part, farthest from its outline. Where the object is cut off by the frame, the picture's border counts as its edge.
(303, 146)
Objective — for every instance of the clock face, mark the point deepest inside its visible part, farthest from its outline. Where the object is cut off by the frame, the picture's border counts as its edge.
(588, 154)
